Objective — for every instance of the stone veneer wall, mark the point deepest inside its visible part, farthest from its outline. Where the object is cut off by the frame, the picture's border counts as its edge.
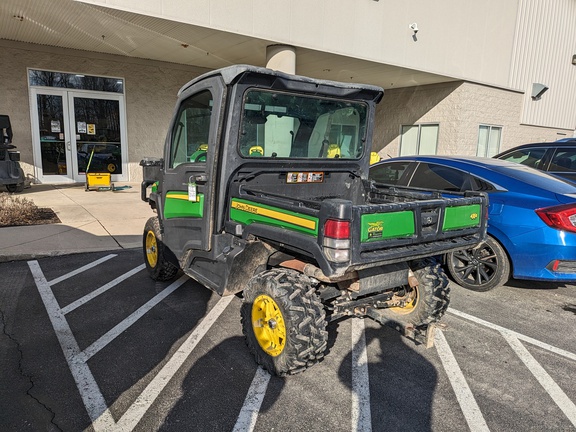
(459, 108)
(150, 94)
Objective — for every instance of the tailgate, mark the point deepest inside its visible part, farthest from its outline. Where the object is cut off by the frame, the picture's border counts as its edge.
(417, 228)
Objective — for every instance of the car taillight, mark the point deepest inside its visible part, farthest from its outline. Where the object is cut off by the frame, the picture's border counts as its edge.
(562, 217)
(337, 240)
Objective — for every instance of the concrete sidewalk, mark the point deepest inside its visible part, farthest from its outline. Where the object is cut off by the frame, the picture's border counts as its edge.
(90, 221)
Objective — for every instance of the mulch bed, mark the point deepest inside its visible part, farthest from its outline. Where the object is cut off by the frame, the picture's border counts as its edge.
(20, 211)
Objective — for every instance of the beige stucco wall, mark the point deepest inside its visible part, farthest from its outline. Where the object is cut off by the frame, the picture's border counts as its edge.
(459, 108)
(150, 94)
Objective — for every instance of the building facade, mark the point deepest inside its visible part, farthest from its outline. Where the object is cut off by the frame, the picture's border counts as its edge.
(92, 83)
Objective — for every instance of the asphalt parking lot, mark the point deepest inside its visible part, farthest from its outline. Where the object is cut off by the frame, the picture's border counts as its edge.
(89, 342)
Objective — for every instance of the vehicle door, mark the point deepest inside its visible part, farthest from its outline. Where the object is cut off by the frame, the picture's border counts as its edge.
(534, 157)
(188, 186)
(563, 163)
(391, 173)
(440, 177)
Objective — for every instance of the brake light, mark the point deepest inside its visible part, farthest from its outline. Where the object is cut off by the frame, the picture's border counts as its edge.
(337, 240)
(562, 217)
(337, 229)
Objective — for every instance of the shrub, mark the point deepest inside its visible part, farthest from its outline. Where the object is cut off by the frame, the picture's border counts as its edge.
(17, 211)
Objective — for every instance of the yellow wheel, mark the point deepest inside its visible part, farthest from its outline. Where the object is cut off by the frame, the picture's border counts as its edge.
(151, 249)
(283, 321)
(411, 301)
(268, 325)
(424, 303)
(156, 255)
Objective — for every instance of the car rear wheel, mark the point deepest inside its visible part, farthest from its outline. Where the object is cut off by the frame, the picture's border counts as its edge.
(284, 321)
(481, 268)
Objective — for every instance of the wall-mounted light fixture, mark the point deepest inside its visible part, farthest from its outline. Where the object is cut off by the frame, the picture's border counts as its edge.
(574, 59)
(538, 90)
(414, 27)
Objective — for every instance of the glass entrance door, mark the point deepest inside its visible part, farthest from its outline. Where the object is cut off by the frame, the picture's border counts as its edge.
(78, 132)
(52, 156)
(98, 134)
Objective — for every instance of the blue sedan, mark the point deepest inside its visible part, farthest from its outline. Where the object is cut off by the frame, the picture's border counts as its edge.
(532, 217)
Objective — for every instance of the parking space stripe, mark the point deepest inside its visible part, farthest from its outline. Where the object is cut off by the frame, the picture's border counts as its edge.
(361, 414)
(135, 316)
(89, 391)
(102, 289)
(545, 380)
(520, 336)
(143, 402)
(464, 395)
(82, 269)
(253, 401)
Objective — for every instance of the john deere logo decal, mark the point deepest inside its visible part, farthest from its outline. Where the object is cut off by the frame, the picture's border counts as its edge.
(375, 229)
(474, 216)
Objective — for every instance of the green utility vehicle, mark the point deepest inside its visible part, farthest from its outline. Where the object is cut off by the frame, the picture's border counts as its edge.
(263, 188)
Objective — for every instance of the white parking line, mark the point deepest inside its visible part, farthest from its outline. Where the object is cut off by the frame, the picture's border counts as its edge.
(520, 336)
(361, 414)
(545, 380)
(96, 407)
(82, 269)
(249, 412)
(466, 399)
(135, 316)
(89, 391)
(143, 402)
(102, 289)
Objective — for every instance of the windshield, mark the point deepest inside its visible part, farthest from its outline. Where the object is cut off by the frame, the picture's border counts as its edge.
(284, 125)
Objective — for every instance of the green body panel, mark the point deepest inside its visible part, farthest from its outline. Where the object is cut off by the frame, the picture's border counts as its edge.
(462, 217)
(177, 205)
(247, 212)
(379, 226)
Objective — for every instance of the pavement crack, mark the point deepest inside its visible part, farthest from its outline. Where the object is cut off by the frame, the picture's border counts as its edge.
(23, 374)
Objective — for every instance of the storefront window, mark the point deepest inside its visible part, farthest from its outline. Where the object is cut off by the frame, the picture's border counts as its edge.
(75, 81)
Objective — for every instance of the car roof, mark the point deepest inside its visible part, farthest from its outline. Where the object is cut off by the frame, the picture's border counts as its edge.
(495, 171)
(560, 143)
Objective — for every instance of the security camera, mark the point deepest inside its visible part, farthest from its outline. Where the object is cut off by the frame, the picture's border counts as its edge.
(414, 27)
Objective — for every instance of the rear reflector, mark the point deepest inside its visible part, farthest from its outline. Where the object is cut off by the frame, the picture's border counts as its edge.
(562, 217)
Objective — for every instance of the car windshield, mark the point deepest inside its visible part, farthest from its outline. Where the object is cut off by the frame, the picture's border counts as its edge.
(536, 178)
(285, 125)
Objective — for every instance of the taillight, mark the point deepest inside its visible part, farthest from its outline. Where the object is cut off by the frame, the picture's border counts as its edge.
(338, 229)
(562, 217)
(337, 240)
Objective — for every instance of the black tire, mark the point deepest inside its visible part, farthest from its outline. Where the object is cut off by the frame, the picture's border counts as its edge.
(158, 266)
(15, 187)
(480, 269)
(296, 321)
(426, 302)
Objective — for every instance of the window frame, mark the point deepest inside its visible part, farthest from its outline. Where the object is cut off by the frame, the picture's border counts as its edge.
(418, 142)
(486, 150)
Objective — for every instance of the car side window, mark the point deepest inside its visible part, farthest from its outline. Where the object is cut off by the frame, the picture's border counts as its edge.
(431, 176)
(528, 156)
(388, 173)
(564, 160)
(189, 141)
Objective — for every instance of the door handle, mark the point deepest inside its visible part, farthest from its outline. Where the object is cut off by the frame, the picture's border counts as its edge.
(68, 145)
(200, 178)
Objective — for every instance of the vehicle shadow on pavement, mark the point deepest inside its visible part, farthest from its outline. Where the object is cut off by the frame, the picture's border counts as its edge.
(532, 284)
(215, 389)
(401, 382)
